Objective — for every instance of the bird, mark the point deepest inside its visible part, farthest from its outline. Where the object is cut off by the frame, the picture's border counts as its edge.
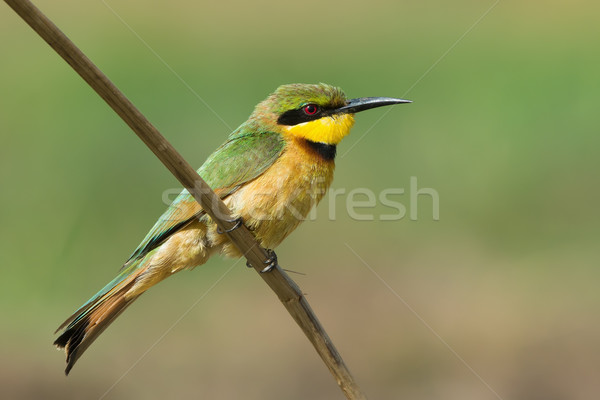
(270, 172)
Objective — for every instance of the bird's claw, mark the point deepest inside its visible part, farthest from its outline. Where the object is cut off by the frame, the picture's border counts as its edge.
(270, 262)
(236, 224)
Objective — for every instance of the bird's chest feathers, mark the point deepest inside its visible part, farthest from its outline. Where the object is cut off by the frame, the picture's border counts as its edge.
(277, 201)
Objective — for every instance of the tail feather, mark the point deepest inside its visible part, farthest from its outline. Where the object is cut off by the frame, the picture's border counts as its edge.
(87, 323)
(128, 272)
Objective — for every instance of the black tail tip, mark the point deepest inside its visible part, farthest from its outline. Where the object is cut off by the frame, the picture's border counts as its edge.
(61, 342)
(69, 366)
(70, 340)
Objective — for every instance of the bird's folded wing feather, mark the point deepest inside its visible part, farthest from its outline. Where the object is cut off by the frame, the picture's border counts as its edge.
(244, 157)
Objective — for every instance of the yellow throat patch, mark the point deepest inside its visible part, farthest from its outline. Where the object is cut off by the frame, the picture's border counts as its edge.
(329, 130)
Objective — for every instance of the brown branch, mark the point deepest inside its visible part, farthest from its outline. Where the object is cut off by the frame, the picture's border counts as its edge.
(286, 289)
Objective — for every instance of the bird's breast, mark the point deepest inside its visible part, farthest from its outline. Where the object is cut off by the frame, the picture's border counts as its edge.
(276, 202)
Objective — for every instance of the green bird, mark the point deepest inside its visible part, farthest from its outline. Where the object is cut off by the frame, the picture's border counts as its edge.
(270, 172)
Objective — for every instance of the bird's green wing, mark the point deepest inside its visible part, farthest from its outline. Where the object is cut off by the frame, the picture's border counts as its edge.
(245, 156)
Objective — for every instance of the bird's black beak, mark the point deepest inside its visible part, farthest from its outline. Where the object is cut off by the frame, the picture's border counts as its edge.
(365, 103)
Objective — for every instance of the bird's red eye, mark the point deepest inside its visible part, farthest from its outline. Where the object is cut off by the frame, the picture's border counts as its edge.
(310, 109)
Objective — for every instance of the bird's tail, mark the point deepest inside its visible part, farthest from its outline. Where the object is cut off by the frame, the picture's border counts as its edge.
(91, 319)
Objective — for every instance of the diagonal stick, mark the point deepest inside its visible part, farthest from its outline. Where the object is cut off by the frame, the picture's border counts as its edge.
(285, 288)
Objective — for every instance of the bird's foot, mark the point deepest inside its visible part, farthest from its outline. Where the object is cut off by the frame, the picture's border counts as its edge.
(237, 222)
(270, 262)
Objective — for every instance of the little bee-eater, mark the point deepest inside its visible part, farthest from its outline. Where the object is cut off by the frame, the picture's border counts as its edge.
(270, 172)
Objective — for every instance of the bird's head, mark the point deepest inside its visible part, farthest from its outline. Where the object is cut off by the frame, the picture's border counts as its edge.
(319, 113)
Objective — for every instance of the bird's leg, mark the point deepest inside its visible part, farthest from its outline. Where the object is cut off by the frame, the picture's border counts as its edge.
(270, 262)
(237, 222)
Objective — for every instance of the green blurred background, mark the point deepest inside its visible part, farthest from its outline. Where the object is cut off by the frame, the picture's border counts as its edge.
(505, 127)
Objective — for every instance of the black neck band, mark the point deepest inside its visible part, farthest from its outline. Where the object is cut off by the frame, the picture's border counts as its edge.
(327, 151)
